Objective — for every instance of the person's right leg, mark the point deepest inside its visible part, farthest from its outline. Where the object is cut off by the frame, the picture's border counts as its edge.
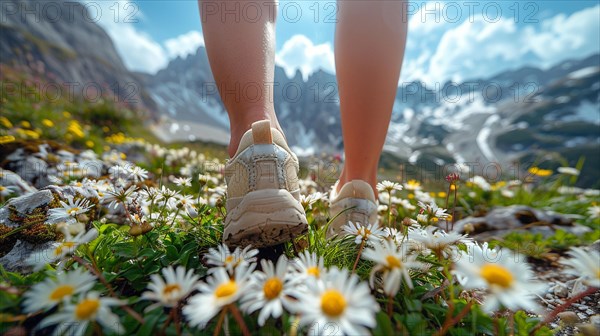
(240, 43)
(263, 207)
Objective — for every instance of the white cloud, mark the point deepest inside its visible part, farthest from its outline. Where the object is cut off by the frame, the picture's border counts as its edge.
(184, 44)
(137, 49)
(478, 48)
(563, 37)
(427, 18)
(474, 50)
(299, 52)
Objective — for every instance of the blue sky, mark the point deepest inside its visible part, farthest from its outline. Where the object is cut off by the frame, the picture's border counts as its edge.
(447, 40)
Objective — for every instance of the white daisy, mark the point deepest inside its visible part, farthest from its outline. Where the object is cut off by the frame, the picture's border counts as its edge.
(568, 171)
(433, 210)
(60, 250)
(307, 265)
(394, 262)
(74, 319)
(169, 289)
(584, 264)
(307, 201)
(118, 196)
(413, 185)
(594, 211)
(337, 300)
(120, 171)
(223, 257)
(480, 182)
(268, 291)
(404, 203)
(436, 240)
(183, 181)
(506, 277)
(47, 294)
(219, 291)
(7, 190)
(368, 233)
(68, 211)
(138, 174)
(394, 234)
(388, 186)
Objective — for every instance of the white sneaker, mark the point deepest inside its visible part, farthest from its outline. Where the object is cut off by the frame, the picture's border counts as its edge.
(355, 202)
(263, 207)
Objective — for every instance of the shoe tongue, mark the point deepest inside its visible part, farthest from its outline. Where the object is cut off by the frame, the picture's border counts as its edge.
(261, 134)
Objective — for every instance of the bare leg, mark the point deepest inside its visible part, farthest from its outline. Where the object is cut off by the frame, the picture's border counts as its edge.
(241, 51)
(369, 46)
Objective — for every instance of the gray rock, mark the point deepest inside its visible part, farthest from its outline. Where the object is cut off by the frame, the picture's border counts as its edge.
(503, 220)
(16, 259)
(8, 178)
(568, 317)
(26, 203)
(561, 291)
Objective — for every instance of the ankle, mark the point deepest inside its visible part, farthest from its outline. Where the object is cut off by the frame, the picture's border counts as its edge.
(244, 121)
(370, 178)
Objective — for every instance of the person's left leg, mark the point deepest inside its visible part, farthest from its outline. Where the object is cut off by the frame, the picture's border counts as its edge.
(369, 46)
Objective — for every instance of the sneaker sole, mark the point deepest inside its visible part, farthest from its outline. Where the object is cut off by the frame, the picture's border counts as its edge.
(265, 218)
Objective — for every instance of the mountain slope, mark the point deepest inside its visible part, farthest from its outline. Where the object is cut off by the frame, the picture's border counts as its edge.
(67, 49)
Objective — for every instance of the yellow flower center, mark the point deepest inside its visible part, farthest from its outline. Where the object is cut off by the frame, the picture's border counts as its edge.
(87, 308)
(272, 288)
(393, 262)
(171, 288)
(61, 291)
(73, 210)
(497, 275)
(228, 259)
(314, 271)
(62, 246)
(333, 303)
(227, 289)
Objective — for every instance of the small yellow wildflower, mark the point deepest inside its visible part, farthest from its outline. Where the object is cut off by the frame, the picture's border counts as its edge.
(25, 133)
(26, 124)
(540, 172)
(5, 122)
(75, 129)
(4, 139)
(48, 123)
